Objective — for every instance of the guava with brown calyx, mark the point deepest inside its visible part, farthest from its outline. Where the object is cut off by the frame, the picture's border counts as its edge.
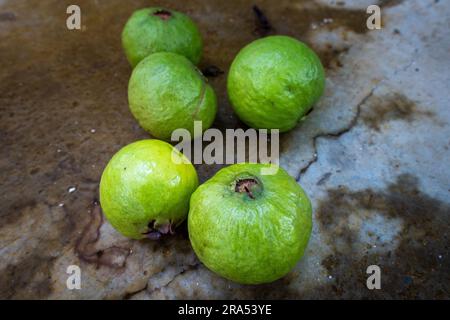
(145, 189)
(247, 226)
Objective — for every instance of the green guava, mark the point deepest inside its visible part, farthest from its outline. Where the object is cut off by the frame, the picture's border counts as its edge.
(274, 81)
(249, 227)
(167, 92)
(145, 189)
(154, 30)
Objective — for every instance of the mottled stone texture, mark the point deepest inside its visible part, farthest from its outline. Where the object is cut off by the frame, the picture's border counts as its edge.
(373, 154)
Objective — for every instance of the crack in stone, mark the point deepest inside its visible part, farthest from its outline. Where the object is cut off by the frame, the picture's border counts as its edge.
(114, 257)
(338, 133)
(355, 118)
(408, 65)
(187, 269)
(129, 295)
(183, 271)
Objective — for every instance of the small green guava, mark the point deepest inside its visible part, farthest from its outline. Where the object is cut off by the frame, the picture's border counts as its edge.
(158, 29)
(274, 81)
(249, 227)
(145, 189)
(167, 92)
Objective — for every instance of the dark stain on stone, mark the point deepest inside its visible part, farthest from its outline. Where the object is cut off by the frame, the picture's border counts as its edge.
(391, 107)
(315, 15)
(389, 3)
(30, 278)
(7, 16)
(113, 257)
(319, 16)
(330, 57)
(51, 228)
(69, 164)
(263, 26)
(34, 171)
(177, 243)
(422, 252)
(16, 210)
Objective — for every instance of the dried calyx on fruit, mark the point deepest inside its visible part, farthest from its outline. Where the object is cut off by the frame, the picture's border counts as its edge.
(145, 189)
(157, 230)
(163, 14)
(250, 186)
(244, 228)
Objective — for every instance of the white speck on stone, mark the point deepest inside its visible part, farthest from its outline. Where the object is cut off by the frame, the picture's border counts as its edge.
(93, 130)
(440, 256)
(59, 150)
(72, 189)
(61, 205)
(330, 277)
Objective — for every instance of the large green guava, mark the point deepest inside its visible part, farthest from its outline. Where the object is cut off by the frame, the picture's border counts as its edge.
(157, 29)
(167, 92)
(249, 227)
(145, 189)
(274, 81)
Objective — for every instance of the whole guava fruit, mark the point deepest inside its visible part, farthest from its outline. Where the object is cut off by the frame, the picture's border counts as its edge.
(158, 29)
(145, 189)
(249, 227)
(167, 92)
(274, 81)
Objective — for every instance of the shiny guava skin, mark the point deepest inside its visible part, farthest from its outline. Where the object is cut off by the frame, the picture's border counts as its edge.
(274, 81)
(250, 240)
(167, 92)
(142, 185)
(158, 29)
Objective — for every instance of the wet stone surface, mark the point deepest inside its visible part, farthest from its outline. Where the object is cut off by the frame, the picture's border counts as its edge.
(372, 155)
